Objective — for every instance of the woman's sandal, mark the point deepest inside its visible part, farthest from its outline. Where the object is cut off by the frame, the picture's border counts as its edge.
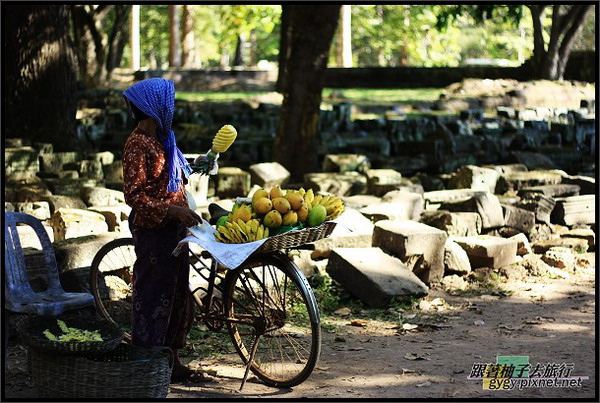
(191, 376)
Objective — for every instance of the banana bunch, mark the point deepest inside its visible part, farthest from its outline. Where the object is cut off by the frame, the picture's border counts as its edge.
(333, 204)
(241, 232)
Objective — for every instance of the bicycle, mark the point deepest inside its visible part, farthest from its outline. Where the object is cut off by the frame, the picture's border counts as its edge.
(266, 304)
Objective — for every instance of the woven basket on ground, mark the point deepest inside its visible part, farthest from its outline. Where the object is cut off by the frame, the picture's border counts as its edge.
(126, 372)
(293, 239)
(32, 333)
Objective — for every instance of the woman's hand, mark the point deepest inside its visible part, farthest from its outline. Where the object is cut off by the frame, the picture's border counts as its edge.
(184, 214)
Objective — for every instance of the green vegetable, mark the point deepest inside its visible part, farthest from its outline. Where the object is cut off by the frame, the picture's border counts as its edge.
(73, 334)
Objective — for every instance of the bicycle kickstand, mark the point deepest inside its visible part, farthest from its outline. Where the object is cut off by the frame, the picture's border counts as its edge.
(250, 361)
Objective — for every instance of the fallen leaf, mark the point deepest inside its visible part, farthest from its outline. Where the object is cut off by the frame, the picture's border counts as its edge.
(323, 368)
(356, 348)
(420, 385)
(545, 318)
(479, 322)
(358, 322)
(409, 371)
(458, 371)
(409, 326)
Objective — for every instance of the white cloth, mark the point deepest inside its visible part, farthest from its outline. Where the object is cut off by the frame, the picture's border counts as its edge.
(229, 255)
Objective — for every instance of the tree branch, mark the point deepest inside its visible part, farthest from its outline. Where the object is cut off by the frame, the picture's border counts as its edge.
(537, 15)
(574, 28)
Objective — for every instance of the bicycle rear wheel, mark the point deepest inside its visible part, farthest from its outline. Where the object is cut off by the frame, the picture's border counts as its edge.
(111, 277)
(268, 298)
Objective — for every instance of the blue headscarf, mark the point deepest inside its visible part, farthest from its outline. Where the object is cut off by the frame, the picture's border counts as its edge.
(156, 98)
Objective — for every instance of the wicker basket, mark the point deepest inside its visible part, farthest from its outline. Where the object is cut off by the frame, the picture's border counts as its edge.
(31, 333)
(126, 372)
(293, 239)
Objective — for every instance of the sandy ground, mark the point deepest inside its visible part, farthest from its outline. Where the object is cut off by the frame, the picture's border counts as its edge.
(549, 320)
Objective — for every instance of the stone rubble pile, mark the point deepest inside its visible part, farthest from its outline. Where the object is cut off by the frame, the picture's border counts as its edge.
(428, 199)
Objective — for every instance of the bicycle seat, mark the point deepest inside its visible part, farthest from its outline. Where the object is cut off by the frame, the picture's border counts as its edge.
(216, 212)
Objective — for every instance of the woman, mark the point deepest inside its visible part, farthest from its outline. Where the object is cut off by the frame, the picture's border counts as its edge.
(153, 174)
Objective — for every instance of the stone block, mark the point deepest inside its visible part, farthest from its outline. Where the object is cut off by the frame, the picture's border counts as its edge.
(68, 174)
(73, 223)
(29, 239)
(476, 178)
(232, 182)
(79, 252)
(587, 184)
(417, 244)
(574, 210)
(513, 181)
(69, 187)
(91, 169)
(523, 246)
(456, 259)
(98, 196)
(105, 157)
(507, 168)
(373, 276)
(39, 209)
(359, 201)
(539, 204)
(353, 231)
(562, 258)
(340, 184)
(269, 174)
(20, 163)
(559, 190)
(30, 193)
(113, 215)
(54, 162)
(113, 173)
(448, 196)
(485, 204)
(454, 224)
(488, 251)
(581, 233)
(381, 181)
(402, 206)
(578, 245)
(13, 142)
(521, 219)
(342, 163)
(56, 202)
(44, 148)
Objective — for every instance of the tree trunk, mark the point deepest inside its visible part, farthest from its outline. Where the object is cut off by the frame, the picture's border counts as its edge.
(253, 49)
(188, 45)
(40, 93)
(174, 37)
(117, 39)
(550, 63)
(346, 30)
(134, 35)
(90, 45)
(238, 58)
(306, 38)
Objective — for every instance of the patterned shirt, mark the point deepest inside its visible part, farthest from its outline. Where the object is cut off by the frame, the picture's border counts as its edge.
(145, 177)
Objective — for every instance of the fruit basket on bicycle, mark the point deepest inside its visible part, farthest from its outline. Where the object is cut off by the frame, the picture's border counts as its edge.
(262, 300)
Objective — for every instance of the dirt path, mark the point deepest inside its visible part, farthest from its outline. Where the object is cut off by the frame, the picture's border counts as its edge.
(549, 320)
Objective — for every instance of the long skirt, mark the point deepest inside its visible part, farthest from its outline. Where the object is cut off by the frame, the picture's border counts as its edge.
(163, 308)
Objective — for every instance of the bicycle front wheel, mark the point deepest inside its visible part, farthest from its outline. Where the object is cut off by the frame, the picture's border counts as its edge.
(111, 277)
(268, 298)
